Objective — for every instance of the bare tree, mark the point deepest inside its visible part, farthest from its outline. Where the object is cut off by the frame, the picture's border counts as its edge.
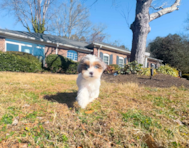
(71, 18)
(97, 34)
(30, 13)
(140, 27)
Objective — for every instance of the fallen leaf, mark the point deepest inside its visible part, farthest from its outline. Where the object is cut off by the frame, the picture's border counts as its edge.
(178, 122)
(16, 145)
(26, 105)
(15, 122)
(150, 141)
(89, 112)
(23, 145)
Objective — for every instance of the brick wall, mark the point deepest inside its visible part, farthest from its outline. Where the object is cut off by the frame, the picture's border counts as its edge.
(2, 44)
(95, 51)
(153, 62)
(80, 55)
(61, 51)
(114, 55)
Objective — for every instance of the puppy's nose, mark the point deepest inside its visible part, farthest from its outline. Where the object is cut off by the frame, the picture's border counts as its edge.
(91, 73)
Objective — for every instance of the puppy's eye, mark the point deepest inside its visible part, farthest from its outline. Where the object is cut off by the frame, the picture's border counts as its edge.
(97, 66)
(86, 67)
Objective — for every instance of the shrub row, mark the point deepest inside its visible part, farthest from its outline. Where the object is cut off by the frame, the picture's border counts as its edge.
(168, 70)
(60, 64)
(19, 62)
(135, 68)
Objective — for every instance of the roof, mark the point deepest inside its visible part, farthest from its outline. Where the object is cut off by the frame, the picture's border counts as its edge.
(108, 46)
(105, 44)
(45, 37)
(48, 38)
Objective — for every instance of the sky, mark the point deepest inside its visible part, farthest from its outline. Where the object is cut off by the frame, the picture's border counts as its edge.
(110, 14)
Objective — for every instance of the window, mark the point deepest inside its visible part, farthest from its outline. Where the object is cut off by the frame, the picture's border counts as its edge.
(34, 49)
(12, 47)
(106, 59)
(26, 49)
(71, 54)
(121, 62)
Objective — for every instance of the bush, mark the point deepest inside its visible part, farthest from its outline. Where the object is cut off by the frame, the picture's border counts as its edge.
(72, 68)
(146, 72)
(110, 69)
(116, 67)
(60, 64)
(185, 76)
(54, 62)
(20, 62)
(168, 70)
(131, 68)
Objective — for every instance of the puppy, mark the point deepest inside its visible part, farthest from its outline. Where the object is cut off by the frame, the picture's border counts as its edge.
(88, 81)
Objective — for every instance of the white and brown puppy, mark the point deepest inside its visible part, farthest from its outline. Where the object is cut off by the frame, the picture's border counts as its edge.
(90, 70)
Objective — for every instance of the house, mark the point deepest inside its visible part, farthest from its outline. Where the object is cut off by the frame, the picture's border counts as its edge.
(41, 45)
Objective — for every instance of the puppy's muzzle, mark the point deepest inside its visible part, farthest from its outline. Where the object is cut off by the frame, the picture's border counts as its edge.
(91, 74)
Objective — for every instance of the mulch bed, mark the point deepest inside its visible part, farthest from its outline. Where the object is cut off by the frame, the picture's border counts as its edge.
(159, 80)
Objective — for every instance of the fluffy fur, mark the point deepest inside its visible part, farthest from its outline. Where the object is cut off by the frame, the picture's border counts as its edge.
(90, 70)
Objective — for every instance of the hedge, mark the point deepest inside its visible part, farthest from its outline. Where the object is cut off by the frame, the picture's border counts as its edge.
(60, 64)
(20, 62)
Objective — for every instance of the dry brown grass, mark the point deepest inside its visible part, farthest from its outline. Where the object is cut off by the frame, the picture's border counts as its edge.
(124, 115)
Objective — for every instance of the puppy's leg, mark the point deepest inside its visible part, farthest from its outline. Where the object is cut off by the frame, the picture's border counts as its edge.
(95, 95)
(83, 97)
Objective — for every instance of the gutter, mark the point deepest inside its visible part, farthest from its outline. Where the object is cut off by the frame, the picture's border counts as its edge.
(48, 41)
(155, 59)
(57, 45)
(109, 47)
(99, 51)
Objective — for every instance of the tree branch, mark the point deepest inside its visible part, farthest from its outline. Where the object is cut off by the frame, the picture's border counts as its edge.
(164, 11)
(158, 8)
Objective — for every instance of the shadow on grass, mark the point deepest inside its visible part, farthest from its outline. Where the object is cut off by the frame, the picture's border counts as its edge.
(64, 98)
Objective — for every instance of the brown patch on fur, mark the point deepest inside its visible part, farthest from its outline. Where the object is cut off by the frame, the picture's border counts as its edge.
(98, 64)
(83, 66)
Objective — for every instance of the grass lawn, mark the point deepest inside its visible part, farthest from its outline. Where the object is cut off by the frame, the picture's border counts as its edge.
(39, 110)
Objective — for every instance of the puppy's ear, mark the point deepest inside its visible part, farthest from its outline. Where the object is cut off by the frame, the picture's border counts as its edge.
(104, 65)
(79, 68)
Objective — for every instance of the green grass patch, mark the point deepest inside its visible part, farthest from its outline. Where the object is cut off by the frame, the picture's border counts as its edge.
(140, 120)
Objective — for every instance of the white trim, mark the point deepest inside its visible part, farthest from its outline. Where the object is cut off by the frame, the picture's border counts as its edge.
(122, 59)
(110, 47)
(5, 46)
(108, 58)
(146, 62)
(147, 54)
(20, 47)
(15, 43)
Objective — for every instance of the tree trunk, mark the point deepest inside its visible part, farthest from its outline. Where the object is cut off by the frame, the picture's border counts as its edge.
(140, 28)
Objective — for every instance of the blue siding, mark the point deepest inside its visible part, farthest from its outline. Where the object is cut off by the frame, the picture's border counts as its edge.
(12, 47)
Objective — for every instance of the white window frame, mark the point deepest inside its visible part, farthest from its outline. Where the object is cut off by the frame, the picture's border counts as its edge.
(107, 55)
(73, 56)
(123, 61)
